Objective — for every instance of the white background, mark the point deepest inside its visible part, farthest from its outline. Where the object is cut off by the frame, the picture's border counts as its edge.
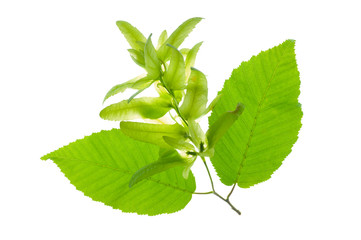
(59, 58)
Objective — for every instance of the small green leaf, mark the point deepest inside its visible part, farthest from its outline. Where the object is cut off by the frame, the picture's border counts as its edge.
(162, 38)
(152, 63)
(138, 82)
(222, 124)
(178, 143)
(191, 59)
(138, 108)
(153, 133)
(174, 77)
(196, 133)
(131, 34)
(195, 100)
(137, 56)
(168, 158)
(102, 164)
(177, 37)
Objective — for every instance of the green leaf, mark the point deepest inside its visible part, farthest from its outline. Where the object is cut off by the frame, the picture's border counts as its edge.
(137, 56)
(138, 108)
(168, 158)
(152, 133)
(131, 34)
(222, 124)
(195, 100)
(162, 38)
(174, 77)
(177, 37)
(257, 143)
(138, 82)
(178, 143)
(102, 164)
(191, 58)
(152, 63)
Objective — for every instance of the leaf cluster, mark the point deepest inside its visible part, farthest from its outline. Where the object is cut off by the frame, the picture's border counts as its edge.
(144, 166)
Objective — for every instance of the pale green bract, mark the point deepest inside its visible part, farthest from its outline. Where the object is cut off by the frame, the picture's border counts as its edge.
(195, 100)
(131, 34)
(101, 166)
(174, 78)
(191, 58)
(138, 82)
(153, 133)
(138, 108)
(257, 143)
(221, 126)
(177, 37)
(152, 63)
(168, 158)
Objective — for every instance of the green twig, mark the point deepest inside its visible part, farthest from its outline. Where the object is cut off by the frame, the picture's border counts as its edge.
(214, 191)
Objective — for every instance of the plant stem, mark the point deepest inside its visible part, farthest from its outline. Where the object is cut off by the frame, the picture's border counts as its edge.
(175, 105)
(230, 193)
(214, 191)
(176, 108)
(210, 192)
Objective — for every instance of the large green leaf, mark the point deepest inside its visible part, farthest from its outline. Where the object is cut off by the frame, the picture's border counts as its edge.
(101, 166)
(257, 143)
(138, 108)
(152, 133)
(131, 34)
(177, 37)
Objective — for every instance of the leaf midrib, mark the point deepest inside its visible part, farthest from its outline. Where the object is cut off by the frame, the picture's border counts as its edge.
(122, 171)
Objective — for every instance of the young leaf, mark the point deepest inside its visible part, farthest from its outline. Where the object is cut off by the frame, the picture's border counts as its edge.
(222, 124)
(191, 58)
(178, 143)
(195, 100)
(138, 82)
(168, 158)
(138, 108)
(268, 85)
(177, 37)
(162, 38)
(137, 56)
(174, 77)
(152, 63)
(152, 133)
(102, 164)
(131, 34)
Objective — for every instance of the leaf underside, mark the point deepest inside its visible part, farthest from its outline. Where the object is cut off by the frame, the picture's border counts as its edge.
(257, 143)
(102, 164)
